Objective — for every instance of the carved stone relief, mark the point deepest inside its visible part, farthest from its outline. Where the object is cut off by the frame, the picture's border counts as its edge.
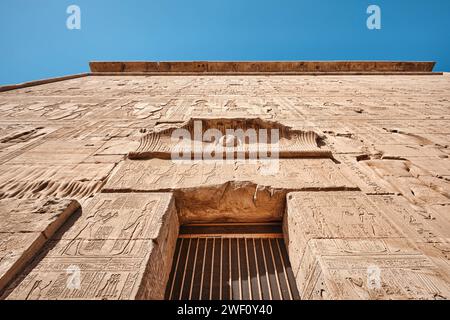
(244, 140)
(121, 245)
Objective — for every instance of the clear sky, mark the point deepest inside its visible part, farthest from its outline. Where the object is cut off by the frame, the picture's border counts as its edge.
(35, 42)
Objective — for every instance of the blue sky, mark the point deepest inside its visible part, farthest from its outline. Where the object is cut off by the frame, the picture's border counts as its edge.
(36, 44)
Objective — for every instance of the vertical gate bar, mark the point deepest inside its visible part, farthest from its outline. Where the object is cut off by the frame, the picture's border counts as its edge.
(221, 264)
(249, 281)
(212, 269)
(267, 269)
(209, 270)
(189, 273)
(289, 273)
(239, 269)
(179, 245)
(184, 272)
(203, 268)
(257, 270)
(284, 270)
(274, 282)
(177, 289)
(262, 272)
(275, 270)
(235, 276)
(217, 280)
(196, 287)
(193, 272)
(229, 269)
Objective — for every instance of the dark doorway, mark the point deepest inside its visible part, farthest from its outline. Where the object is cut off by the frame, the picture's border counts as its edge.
(231, 262)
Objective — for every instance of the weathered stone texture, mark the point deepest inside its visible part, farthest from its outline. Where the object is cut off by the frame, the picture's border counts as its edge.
(364, 178)
(26, 225)
(229, 67)
(122, 244)
(335, 239)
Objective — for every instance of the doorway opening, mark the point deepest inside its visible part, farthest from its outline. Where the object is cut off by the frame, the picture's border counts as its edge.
(244, 261)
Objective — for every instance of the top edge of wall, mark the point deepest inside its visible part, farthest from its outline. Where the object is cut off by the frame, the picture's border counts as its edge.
(242, 67)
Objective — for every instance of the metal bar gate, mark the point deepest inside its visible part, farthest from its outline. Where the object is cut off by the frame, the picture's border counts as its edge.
(231, 262)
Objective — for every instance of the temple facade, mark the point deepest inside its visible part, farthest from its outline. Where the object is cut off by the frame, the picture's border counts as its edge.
(227, 181)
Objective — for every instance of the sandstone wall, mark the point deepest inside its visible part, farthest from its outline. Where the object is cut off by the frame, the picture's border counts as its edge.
(372, 191)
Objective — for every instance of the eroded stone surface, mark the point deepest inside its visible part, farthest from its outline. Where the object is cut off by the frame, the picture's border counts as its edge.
(262, 66)
(122, 245)
(389, 141)
(26, 225)
(343, 245)
(289, 174)
(246, 139)
(347, 269)
(232, 191)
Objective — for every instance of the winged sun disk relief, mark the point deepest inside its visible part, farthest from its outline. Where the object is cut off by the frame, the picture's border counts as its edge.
(287, 142)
